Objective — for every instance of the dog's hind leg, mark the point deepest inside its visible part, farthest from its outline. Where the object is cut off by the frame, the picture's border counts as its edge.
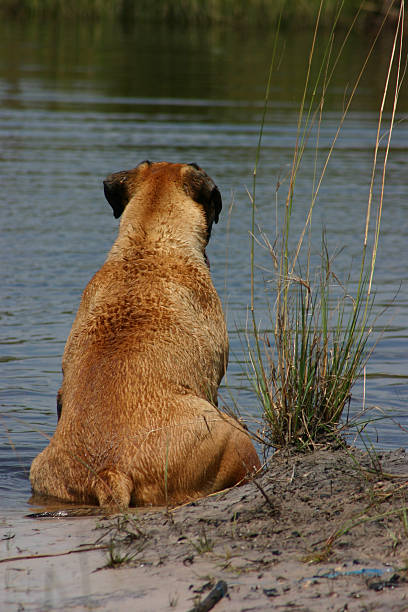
(113, 489)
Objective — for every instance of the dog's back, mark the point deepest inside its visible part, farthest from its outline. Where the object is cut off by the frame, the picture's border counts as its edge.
(145, 357)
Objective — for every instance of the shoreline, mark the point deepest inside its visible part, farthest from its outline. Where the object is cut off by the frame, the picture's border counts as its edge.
(320, 531)
(248, 13)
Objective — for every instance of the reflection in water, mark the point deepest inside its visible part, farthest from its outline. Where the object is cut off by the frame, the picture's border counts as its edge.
(81, 102)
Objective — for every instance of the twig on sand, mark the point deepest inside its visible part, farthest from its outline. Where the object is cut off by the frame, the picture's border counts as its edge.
(218, 592)
(60, 554)
(265, 495)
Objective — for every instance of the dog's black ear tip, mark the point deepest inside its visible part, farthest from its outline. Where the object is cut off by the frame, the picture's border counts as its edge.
(107, 187)
(194, 165)
(115, 190)
(217, 201)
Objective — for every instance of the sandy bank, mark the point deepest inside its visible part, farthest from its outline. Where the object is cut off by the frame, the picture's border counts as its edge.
(315, 532)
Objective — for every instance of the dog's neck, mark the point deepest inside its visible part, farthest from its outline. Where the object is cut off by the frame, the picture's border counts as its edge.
(162, 225)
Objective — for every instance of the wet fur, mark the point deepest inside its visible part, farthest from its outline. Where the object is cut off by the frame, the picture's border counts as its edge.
(147, 351)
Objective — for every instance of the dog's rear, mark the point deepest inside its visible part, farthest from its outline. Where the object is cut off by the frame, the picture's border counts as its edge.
(142, 365)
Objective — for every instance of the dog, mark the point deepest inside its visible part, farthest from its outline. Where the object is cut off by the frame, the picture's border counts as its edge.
(138, 418)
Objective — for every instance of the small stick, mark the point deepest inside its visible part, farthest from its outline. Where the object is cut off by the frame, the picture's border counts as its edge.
(45, 556)
(218, 592)
(266, 496)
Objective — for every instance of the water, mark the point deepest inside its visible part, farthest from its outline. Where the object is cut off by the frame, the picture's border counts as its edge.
(80, 102)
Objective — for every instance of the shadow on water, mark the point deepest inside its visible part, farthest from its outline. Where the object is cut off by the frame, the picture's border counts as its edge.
(78, 102)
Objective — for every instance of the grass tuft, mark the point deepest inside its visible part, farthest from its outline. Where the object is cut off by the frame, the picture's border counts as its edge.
(203, 544)
(125, 541)
(304, 371)
(319, 348)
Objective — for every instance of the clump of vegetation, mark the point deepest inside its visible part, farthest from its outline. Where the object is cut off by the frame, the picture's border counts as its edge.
(125, 541)
(203, 544)
(319, 348)
(304, 371)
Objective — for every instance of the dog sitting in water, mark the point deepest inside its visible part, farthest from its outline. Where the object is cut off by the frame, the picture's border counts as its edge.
(138, 422)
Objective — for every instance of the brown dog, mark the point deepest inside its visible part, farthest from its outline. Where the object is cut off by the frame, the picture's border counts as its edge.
(145, 356)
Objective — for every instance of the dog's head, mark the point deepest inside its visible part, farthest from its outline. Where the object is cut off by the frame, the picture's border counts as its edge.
(152, 187)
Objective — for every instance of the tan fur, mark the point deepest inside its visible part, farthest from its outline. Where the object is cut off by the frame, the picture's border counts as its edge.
(145, 357)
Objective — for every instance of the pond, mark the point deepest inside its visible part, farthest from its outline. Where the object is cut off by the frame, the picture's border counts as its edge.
(81, 101)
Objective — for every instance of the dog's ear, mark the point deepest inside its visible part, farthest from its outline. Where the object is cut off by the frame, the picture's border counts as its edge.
(116, 192)
(216, 202)
(119, 187)
(202, 189)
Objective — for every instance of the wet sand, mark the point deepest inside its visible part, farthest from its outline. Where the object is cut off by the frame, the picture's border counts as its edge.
(324, 531)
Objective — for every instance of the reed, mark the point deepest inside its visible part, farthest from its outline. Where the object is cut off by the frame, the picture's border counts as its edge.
(303, 373)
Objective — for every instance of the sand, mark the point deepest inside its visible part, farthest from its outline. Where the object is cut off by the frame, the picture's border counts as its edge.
(321, 531)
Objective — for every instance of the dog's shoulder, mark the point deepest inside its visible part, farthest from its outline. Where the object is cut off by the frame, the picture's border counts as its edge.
(142, 290)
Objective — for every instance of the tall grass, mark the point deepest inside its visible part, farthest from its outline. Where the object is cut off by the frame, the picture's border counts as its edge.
(303, 373)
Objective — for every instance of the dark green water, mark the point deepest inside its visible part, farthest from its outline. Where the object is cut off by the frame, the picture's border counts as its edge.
(80, 102)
